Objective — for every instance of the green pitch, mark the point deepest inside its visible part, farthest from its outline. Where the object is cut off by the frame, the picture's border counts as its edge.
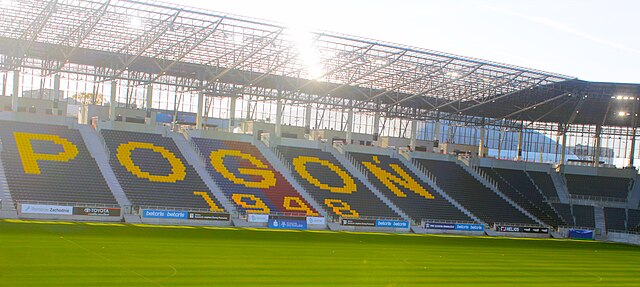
(47, 254)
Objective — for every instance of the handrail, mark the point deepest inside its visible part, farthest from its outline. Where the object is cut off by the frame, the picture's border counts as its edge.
(186, 209)
(624, 231)
(425, 220)
(597, 198)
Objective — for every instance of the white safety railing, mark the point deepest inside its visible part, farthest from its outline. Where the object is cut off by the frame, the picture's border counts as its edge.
(66, 203)
(485, 176)
(282, 159)
(426, 172)
(597, 198)
(359, 166)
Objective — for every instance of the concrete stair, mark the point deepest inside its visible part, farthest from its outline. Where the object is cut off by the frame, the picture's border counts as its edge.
(7, 206)
(285, 169)
(598, 214)
(352, 169)
(422, 175)
(633, 200)
(199, 164)
(561, 187)
(484, 179)
(99, 151)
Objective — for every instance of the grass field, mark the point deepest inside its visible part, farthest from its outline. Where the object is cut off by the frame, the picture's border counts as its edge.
(54, 254)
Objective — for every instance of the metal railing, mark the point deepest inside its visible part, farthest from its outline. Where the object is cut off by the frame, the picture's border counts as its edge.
(624, 231)
(485, 176)
(137, 209)
(66, 203)
(445, 221)
(426, 172)
(597, 198)
(358, 165)
(283, 160)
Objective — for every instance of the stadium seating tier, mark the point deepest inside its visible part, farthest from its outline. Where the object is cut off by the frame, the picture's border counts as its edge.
(50, 163)
(247, 178)
(406, 190)
(472, 194)
(343, 195)
(153, 172)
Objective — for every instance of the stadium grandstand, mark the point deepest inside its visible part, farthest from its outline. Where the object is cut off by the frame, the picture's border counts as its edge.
(148, 112)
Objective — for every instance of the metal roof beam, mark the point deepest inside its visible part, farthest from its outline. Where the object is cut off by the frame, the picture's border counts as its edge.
(238, 63)
(400, 85)
(208, 32)
(35, 28)
(450, 81)
(92, 21)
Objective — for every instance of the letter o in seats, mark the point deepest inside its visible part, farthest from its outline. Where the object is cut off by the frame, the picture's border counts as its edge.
(178, 171)
(300, 165)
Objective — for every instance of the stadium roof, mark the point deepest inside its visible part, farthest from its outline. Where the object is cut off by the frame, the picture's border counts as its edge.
(228, 55)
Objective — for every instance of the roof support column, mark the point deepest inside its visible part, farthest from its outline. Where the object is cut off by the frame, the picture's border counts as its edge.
(596, 144)
(232, 113)
(414, 135)
(376, 125)
(350, 124)
(56, 94)
(519, 151)
(199, 110)
(481, 141)
(149, 100)
(16, 89)
(563, 148)
(632, 153)
(436, 130)
(307, 120)
(112, 101)
(278, 129)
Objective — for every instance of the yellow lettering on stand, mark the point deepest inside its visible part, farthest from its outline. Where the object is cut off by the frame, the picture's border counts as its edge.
(30, 158)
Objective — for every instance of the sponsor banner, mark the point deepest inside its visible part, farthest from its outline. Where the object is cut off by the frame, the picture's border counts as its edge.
(208, 216)
(96, 211)
(46, 209)
(535, 230)
(169, 214)
(522, 229)
(457, 226)
(287, 223)
(446, 226)
(581, 234)
(392, 223)
(316, 220)
(358, 222)
(470, 227)
(258, 218)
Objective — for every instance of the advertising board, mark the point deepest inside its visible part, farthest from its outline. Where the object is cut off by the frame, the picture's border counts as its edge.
(167, 214)
(287, 223)
(358, 222)
(312, 220)
(208, 216)
(392, 223)
(46, 209)
(456, 226)
(257, 218)
(96, 211)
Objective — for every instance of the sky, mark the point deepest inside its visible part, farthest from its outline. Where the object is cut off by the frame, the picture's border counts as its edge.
(588, 39)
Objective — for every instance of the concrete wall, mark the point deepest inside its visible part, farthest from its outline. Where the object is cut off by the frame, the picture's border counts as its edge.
(37, 118)
(519, 165)
(598, 171)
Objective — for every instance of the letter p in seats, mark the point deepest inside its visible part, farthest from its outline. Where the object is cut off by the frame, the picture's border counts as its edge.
(30, 158)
